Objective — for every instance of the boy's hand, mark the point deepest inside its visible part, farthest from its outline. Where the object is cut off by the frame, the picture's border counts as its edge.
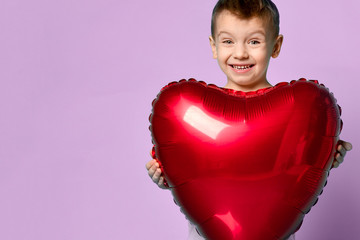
(342, 148)
(154, 172)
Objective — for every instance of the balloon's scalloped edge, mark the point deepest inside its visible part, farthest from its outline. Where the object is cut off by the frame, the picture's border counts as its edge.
(258, 92)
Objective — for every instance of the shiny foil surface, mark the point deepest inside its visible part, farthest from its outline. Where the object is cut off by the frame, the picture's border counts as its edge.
(245, 165)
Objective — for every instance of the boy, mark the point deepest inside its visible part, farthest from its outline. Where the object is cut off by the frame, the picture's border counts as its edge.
(244, 36)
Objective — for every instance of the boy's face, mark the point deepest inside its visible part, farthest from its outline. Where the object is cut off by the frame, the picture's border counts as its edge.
(243, 49)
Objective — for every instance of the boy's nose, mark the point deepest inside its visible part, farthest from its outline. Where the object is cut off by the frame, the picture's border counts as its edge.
(240, 51)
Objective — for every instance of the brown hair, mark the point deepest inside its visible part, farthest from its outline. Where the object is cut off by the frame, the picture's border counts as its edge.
(246, 9)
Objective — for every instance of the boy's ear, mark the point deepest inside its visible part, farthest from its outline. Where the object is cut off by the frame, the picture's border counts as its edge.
(277, 46)
(213, 47)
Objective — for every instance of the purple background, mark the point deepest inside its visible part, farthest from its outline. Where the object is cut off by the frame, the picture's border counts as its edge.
(77, 81)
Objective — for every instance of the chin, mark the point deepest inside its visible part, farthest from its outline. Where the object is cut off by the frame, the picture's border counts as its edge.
(247, 85)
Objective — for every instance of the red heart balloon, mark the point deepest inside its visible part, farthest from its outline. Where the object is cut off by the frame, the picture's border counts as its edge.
(245, 165)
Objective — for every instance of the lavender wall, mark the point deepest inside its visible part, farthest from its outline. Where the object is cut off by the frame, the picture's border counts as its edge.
(77, 79)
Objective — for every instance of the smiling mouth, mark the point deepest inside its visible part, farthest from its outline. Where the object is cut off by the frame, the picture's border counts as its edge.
(242, 67)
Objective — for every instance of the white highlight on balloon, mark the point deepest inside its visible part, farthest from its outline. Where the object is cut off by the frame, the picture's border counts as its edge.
(204, 123)
(230, 221)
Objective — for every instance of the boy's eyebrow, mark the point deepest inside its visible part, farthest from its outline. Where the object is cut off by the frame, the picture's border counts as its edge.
(257, 31)
(223, 32)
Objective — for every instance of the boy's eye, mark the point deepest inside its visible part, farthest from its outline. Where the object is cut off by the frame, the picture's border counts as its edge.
(254, 42)
(227, 41)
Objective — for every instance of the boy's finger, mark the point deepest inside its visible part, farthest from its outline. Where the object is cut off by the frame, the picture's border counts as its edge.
(335, 164)
(149, 164)
(339, 158)
(152, 170)
(161, 182)
(341, 150)
(344, 144)
(156, 175)
(347, 146)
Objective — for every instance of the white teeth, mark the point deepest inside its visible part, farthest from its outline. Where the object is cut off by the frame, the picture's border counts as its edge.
(241, 67)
